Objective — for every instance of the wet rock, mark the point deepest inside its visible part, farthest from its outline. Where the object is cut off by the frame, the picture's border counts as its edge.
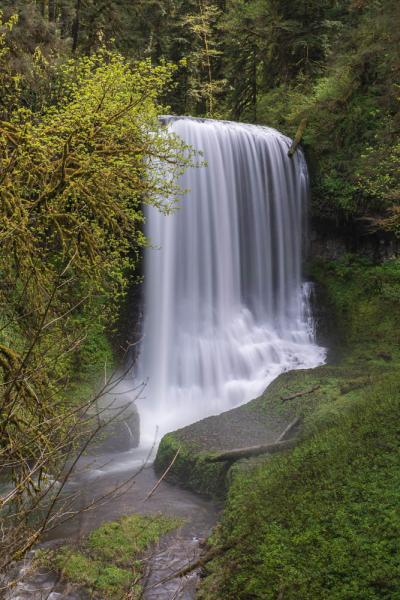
(118, 434)
(116, 413)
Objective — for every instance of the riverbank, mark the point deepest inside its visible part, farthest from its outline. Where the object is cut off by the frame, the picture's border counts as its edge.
(319, 520)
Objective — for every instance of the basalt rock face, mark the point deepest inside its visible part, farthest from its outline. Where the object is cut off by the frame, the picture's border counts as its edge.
(118, 419)
(128, 331)
(330, 240)
(119, 435)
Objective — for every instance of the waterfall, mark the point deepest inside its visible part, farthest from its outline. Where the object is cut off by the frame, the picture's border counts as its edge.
(226, 310)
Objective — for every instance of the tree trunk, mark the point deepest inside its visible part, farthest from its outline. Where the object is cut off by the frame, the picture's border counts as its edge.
(65, 21)
(52, 10)
(239, 453)
(254, 83)
(76, 26)
(42, 8)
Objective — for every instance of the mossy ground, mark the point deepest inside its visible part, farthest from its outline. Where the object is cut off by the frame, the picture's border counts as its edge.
(109, 562)
(322, 520)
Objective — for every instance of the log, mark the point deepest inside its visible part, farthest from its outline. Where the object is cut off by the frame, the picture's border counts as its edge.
(298, 138)
(299, 394)
(239, 453)
(288, 429)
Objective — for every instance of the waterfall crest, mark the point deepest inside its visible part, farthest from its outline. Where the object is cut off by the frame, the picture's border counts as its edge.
(225, 307)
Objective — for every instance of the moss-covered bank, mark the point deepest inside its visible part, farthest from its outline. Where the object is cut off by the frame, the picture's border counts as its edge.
(322, 520)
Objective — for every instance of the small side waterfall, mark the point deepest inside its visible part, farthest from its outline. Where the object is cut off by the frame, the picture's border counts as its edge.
(225, 307)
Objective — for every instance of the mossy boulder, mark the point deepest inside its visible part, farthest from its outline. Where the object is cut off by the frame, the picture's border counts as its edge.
(322, 393)
(109, 562)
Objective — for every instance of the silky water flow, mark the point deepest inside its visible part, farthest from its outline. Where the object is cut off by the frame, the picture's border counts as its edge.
(226, 309)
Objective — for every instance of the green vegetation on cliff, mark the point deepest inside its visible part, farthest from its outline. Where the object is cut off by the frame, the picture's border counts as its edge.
(81, 87)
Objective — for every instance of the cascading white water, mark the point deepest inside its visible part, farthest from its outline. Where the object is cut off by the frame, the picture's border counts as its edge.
(225, 307)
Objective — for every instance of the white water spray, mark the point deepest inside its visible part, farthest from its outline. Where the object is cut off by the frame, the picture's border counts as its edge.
(225, 307)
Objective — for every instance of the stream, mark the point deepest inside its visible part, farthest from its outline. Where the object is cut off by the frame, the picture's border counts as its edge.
(97, 476)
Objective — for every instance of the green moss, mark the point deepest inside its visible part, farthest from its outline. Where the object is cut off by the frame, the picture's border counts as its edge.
(109, 560)
(191, 469)
(77, 567)
(321, 521)
(365, 302)
(119, 541)
(94, 360)
(80, 569)
(114, 581)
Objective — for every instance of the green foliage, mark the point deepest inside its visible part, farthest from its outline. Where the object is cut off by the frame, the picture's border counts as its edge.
(63, 172)
(185, 32)
(335, 64)
(202, 85)
(322, 521)
(366, 301)
(9, 82)
(270, 61)
(77, 167)
(273, 42)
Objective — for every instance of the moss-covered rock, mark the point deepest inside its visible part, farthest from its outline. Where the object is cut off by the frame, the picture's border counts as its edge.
(191, 469)
(109, 562)
(260, 421)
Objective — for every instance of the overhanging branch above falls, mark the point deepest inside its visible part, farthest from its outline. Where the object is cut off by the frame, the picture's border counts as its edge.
(298, 137)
